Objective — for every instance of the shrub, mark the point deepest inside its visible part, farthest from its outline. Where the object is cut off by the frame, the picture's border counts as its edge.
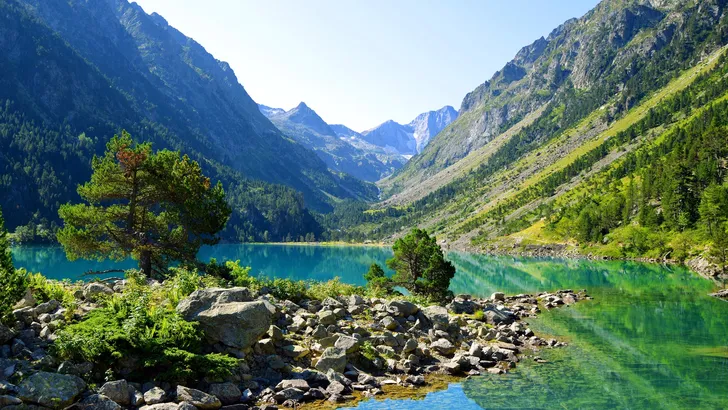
(13, 283)
(377, 279)
(331, 289)
(45, 289)
(479, 315)
(141, 322)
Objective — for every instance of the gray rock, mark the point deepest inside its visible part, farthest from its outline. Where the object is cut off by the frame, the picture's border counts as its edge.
(389, 323)
(293, 383)
(9, 401)
(6, 334)
(94, 290)
(51, 389)
(199, 399)
(290, 393)
(228, 393)
(332, 358)
(295, 351)
(225, 318)
(118, 391)
(47, 307)
(409, 346)
(96, 402)
(155, 395)
(499, 296)
(186, 406)
(356, 300)
(160, 406)
(28, 300)
(402, 308)
(327, 317)
(348, 343)
(436, 315)
(443, 346)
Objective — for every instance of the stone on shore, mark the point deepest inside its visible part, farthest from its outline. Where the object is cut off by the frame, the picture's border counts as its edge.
(332, 358)
(199, 399)
(51, 390)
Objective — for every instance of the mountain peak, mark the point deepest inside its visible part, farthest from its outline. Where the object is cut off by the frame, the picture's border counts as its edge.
(302, 106)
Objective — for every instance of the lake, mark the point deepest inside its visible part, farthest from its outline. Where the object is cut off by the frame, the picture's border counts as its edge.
(651, 338)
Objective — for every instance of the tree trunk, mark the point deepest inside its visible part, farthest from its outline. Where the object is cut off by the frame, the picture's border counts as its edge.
(145, 263)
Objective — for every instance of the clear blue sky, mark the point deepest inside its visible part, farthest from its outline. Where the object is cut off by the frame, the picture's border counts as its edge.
(361, 63)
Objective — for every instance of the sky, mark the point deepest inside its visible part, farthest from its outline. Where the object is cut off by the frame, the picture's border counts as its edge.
(361, 63)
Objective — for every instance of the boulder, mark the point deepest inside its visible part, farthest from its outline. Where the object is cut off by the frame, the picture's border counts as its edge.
(332, 358)
(6, 334)
(498, 296)
(228, 393)
(96, 402)
(496, 316)
(327, 317)
(118, 391)
(199, 399)
(290, 393)
(9, 401)
(436, 315)
(226, 317)
(28, 300)
(155, 395)
(389, 323)
(443, 346)
(402, 308)
(160, 406)
(348, 343)
(51, 389)
(356, 300)
(94, 290)
(293, 383)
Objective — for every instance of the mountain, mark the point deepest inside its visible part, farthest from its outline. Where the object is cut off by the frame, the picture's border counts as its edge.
(341, 154)
(609, 134)
(429, 124)
(411, 138)
(75, 73)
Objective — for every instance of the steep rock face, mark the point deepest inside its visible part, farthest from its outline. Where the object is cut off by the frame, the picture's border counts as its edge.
(429, 124)
(579, 65)
(123, 68)
(348, 154)
(393, 135)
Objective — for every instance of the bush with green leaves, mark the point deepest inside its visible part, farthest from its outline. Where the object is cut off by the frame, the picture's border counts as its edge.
(420, 266)
(141, 322)
(13, 283)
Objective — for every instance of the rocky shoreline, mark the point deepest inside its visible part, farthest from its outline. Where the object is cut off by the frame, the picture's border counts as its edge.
(334, 350)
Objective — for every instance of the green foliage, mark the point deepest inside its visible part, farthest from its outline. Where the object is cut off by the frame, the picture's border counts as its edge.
(479, 315)
(377, 279)
(331, 289)
(420, 265)
(12, 282)
(156, 207)
(142, 323)
(45, 289)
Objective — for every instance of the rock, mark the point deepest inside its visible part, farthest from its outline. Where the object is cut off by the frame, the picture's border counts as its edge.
(409, 346)
(319, 332)
(186, 406)
(155, 395)
(290, 393)
(356, 300)
(161, 406)
(228, 393)
(437, 315)
(389, 323)
(293, 383)
(336, 388)
(9, 401)
(451, 367)
(118, 391)
(416, 380)
(51, 389)
(47, 307)
(498, 296)
(348, 343)
(402, 308)
(201, 400)
(332, 358)
(295, 351)
(327, 317)
(6, 334)
(94, 290)
(226, 318)
(443, 346)
(27, 301)
(96, 402)
(275, 333)
(495, 316)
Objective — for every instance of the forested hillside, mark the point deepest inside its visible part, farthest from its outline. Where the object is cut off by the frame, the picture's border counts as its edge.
(74, 74)
(622, 153)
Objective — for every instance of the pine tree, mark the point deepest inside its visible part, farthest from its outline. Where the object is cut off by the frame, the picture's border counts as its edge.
(157, 207)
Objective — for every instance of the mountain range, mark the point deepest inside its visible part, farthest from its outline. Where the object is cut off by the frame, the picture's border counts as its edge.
(371, 155)
(72, 74)
(609, 133)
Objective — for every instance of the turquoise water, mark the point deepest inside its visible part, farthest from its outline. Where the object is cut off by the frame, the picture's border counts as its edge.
(650, 339)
